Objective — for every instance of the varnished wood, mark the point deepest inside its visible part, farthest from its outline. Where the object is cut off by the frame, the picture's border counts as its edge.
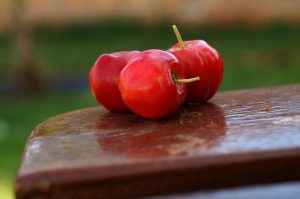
(240, 137)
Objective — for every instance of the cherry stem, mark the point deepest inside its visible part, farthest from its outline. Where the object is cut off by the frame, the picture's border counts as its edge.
(178, 36)
(188, 80)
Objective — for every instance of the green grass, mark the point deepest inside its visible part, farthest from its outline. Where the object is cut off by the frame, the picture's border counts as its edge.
(253, 58)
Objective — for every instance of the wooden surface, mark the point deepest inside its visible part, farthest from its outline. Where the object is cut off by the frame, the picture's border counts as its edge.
(239, 138)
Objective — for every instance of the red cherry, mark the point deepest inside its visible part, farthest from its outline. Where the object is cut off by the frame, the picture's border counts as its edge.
(104, 79)
(149, 86)
(199, 59)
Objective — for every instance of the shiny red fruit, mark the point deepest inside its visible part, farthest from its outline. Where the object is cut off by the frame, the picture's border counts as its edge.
(148, 86)
(199, 59)
(104, 79)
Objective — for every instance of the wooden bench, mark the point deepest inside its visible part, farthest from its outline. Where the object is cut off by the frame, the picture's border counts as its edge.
(247, 137)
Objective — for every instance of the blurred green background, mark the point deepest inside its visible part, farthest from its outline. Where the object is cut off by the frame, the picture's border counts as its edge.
(253, 57)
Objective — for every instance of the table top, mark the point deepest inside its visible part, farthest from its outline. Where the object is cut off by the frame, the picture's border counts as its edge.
(239, 138)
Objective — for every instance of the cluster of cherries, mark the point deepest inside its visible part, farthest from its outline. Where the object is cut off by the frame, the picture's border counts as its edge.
(154, 83)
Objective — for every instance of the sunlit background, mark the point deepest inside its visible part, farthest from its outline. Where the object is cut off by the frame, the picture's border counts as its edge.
(47, 48)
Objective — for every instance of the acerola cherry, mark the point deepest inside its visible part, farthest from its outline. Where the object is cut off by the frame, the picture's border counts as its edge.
(151, 84)
(199, 59)
(104, 79)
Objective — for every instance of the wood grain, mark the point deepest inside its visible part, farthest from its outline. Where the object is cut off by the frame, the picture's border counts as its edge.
(240, 137)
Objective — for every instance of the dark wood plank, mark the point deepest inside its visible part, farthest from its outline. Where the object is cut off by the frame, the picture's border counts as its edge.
(240, 137)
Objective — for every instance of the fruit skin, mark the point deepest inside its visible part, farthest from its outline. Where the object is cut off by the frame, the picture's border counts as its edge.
(198, 58)
(147, 85)
(104, 79)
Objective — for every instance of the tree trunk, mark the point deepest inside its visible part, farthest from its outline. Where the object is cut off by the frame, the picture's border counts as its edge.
(28, 76)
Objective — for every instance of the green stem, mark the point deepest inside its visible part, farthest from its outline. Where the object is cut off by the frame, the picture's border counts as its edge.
(189, 80)
(178, 36)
